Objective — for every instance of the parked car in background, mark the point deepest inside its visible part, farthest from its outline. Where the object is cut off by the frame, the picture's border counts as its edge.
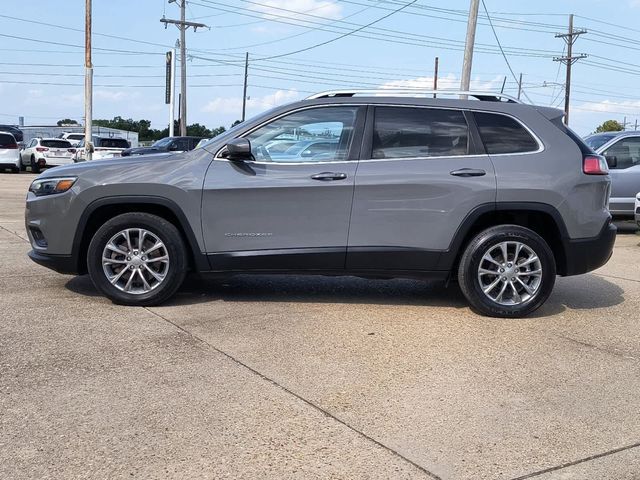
(103, 147)
(637, 209)
(46, 152)
(167, 144)
(498, 195)
(622, 151)
(13, 130)
(9, 152)
(73, 138)
(202, 142)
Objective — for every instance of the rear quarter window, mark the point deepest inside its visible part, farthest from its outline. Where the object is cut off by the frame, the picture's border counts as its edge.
(503, 134)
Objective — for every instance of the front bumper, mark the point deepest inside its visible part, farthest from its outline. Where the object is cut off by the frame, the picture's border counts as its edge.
(60, 263)
(587, 254)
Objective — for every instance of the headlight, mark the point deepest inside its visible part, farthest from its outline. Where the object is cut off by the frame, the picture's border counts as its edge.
(49, 186)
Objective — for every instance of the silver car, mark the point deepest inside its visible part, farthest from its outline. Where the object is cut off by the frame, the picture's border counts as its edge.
(495, 194)
(622, 151)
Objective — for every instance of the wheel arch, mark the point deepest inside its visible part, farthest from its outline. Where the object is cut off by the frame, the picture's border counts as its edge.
(542, 218)
(102, 210)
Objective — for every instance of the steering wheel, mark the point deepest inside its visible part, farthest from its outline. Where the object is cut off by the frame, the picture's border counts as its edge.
(264, 153)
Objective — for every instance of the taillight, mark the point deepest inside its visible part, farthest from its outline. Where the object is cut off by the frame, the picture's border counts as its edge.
(71, 150)
(42, 149)
(595, 165)
(11, 146)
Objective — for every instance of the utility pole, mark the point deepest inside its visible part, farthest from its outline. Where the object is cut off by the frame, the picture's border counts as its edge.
(636, 125)
(435, 77)
(88, 83)
(171, 86)
(468, 47)
(520, 86)
(570, 38)
(244, 89)
(182, 25)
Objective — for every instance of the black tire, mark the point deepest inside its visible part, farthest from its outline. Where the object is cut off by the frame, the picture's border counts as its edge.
(15, 169)
(468, 271)
(22, 167)
(34, 165)
(175, 248)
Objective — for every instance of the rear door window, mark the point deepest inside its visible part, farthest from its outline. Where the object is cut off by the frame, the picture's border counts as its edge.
(410, 132)
(55, 144)
(503, 134)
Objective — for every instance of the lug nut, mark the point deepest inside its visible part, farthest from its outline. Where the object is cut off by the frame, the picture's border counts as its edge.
(135, 252)
(131, 267)
(144, 258)
(128, 259)
(513, 279)
(501, 270)
(509, 265)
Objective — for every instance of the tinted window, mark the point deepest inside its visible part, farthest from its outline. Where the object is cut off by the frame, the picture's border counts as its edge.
(626, 151)
(114, 143)
(330, 127)
(401, 132)
(76, 136)
(502, 134)
(55, 143)
(6, 140)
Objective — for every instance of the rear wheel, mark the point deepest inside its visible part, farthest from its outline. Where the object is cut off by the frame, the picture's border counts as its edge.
(34, 165)
(137, 259)
(507, 271)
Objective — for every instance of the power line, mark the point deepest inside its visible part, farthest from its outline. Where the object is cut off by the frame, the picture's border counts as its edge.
(484, 6)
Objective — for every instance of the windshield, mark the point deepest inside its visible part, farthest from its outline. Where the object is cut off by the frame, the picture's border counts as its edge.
(114, 143)
(163, 142)
(596, 141)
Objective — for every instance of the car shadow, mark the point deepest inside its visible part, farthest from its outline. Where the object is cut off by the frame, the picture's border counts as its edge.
(578, 293)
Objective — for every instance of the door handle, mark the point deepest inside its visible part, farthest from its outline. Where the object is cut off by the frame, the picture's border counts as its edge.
(468, 172)
(329, 176)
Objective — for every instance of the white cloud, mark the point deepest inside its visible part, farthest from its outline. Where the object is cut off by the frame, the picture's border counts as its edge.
(607, 106)
(448, 82)
(276, 9)
(114, 95)
(233, 105)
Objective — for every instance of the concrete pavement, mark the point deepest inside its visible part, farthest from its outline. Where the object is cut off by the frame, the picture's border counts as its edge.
(303, 377)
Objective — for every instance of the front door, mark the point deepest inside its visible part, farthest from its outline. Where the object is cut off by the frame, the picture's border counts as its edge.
(625, 174)
(289, 207)
(421, 175)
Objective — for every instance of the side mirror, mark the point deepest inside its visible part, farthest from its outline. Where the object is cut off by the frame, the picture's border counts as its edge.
(239, 149)
(612, 161)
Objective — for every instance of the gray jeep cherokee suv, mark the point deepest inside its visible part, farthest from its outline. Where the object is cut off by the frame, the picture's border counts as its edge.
(496, 194)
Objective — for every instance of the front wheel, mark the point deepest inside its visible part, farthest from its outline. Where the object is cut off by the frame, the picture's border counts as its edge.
(35, 168)
(507, 271)
(137, 259)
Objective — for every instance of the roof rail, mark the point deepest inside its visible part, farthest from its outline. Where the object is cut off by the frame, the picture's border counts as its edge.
(392, 92)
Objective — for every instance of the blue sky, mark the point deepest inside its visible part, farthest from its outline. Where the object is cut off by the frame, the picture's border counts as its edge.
(42, 80)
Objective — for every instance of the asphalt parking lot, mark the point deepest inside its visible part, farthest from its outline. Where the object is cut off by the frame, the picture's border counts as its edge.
(296, 377)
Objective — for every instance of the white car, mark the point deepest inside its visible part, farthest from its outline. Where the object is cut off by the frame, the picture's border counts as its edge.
(73, 138)
(103, 148)
(9, 153)
(637, 209)
(46, 152)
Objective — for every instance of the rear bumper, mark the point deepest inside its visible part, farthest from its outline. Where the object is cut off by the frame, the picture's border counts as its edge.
(587, 254)
(60, 263)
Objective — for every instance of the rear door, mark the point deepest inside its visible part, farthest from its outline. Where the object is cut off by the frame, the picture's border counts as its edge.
(277, 213)
(420, 175)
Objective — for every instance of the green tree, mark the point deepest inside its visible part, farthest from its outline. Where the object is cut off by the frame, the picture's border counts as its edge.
(66, 121)
(237, 122)
(610, 126)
